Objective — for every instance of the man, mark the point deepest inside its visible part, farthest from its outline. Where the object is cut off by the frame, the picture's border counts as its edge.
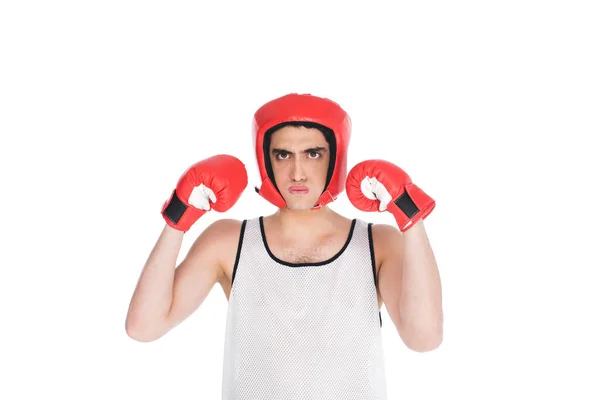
(304, 285)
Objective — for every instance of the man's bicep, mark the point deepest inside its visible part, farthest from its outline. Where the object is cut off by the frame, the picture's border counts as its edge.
(199, 271)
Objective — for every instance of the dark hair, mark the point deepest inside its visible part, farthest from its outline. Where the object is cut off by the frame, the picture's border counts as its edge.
(327, 133)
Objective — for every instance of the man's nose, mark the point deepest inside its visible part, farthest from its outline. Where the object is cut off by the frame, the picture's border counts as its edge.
(298, 173)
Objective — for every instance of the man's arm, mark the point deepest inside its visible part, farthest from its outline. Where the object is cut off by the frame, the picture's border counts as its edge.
(165, 296)
(410, 286)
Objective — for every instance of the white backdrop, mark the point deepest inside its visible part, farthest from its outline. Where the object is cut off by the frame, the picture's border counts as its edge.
(491, 107)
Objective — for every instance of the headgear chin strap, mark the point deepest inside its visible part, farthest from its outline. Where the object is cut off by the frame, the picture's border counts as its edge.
(303, 108)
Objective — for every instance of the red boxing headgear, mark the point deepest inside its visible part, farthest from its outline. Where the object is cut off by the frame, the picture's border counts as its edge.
(303, 108)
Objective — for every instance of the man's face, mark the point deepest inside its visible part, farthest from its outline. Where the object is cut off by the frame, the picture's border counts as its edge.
(300, 161)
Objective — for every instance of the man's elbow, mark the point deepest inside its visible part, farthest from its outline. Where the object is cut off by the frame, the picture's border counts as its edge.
(424, 340)
(425, 345)
(140, 334)
(140, 337)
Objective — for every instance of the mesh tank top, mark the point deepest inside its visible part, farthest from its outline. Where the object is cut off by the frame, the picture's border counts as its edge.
(303, 331)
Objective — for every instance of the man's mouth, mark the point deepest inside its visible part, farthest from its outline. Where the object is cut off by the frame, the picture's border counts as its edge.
(299, 190)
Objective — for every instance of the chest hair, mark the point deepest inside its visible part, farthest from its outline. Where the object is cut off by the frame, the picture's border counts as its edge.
(309, 253)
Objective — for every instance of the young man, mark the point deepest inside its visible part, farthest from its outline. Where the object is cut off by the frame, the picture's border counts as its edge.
(304, 285)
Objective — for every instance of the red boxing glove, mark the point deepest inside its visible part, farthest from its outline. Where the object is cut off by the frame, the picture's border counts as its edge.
(378, 185)
(214, 183)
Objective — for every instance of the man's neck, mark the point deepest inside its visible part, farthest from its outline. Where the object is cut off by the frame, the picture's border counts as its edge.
(294, 223)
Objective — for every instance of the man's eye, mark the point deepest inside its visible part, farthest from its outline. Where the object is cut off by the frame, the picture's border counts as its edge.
(314, 154)
(282, 156)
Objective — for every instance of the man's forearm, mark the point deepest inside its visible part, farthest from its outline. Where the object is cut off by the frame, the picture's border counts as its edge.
(420, 305)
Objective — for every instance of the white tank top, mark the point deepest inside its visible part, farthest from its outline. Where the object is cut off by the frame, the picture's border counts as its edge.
(306, 331)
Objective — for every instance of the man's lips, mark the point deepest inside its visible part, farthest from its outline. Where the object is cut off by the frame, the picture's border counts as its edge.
(298, 189)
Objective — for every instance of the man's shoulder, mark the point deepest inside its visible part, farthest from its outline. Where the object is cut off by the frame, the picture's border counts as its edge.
(385, 229)
(220, 239)
(224, 228)
(385, 236)
(381, 230)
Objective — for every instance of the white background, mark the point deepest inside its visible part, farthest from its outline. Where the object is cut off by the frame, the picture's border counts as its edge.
(491, 107)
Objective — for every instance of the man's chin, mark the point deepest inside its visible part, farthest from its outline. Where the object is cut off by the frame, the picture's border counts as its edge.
(298, 209)
(300, 204)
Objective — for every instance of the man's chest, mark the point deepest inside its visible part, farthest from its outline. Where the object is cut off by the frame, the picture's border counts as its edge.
(307, 252)
(291, 253)
(314, 255)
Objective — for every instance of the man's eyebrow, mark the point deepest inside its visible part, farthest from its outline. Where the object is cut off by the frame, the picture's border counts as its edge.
(315, 149)
(310, 150)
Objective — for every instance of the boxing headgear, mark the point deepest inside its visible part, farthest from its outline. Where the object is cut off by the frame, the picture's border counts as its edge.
(308, 109)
